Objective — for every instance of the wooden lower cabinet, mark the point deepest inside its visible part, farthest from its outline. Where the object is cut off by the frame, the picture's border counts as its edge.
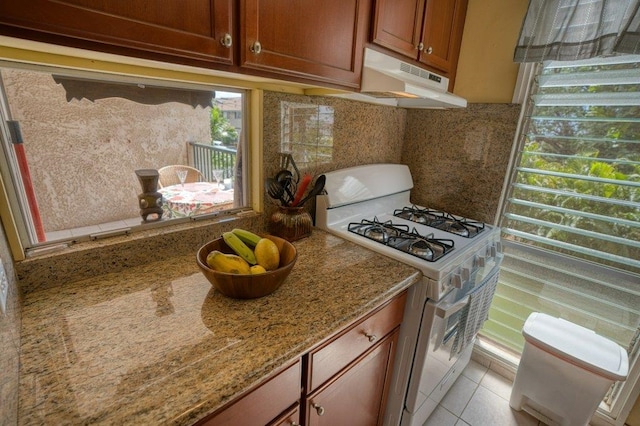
(265, 404)
(347, 378)
(357, 396)
(343, 381)
(290, 418)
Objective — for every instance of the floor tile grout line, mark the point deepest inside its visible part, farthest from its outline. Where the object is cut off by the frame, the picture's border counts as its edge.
(467, 404)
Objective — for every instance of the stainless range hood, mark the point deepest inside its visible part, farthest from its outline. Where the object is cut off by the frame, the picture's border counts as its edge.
(390, 81)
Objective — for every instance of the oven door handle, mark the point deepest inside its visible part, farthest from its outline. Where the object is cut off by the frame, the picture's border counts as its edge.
(447, 310)
(444, 311)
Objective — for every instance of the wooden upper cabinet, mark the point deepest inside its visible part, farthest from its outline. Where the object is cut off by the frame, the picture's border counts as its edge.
(442, 34)
(427, 31)
(196, 29)
(318, 40)
(398, 24)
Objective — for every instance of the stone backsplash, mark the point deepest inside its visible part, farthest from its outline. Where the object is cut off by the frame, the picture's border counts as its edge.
(459, 158)
(9, 340)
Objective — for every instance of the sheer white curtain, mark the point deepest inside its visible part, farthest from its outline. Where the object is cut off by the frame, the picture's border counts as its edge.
(568, 30)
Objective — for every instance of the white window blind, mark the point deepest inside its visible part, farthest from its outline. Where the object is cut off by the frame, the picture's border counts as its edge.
(571, 215)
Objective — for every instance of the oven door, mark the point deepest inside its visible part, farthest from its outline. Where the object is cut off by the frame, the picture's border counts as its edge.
(435, 354)
(448, 328)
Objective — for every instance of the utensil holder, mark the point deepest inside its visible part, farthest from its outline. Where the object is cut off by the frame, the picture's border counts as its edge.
(290, 223)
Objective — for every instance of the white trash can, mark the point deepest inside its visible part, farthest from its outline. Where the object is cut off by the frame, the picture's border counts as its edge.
(565, 370)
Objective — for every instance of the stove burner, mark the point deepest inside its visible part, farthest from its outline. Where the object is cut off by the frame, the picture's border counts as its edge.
(377, 233)
(399, 237)
(376, 230)
(420, 248)
(441, 220)
(418, 218)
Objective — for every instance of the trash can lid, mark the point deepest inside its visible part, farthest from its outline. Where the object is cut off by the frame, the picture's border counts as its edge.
(577, 345)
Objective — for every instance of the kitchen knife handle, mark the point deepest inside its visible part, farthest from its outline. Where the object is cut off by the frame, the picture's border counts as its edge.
(306, 180)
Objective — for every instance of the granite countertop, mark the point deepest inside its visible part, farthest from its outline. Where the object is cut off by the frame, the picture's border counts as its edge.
(156, 344)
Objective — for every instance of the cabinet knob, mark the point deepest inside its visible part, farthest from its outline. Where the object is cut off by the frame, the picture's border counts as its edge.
(429, 50)
(372, 337)
(256, 48)
(319, 408)
(420, 46)
(226, 40)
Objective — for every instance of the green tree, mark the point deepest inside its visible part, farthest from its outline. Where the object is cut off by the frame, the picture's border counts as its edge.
(221, 129)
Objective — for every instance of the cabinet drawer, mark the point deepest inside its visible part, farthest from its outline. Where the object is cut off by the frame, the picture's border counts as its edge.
(263, 404)
(290, 418)
(328, 360)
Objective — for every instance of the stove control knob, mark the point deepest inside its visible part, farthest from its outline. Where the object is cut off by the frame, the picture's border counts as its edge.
(494, 251)
(456, 281)
(466, 274)
(482, 261)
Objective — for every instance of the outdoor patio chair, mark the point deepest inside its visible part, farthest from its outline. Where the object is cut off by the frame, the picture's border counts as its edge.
(168, 175)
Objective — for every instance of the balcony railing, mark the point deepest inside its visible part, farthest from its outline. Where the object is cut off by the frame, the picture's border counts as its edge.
(214, 162)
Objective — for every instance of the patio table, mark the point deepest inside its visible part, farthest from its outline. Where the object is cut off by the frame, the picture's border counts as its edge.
(194, 198)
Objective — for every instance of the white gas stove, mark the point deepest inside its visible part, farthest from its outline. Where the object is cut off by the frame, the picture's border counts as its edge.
(370, 205)
(459, 259)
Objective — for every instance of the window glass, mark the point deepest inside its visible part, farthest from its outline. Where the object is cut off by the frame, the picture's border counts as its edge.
(571, 217)
(307, 133)
(85, 151)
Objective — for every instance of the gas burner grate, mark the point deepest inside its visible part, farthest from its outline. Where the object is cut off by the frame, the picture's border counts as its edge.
(441, 220)
(376, 230)
(399, 237)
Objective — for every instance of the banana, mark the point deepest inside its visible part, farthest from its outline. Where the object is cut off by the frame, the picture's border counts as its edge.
(239, 247)
(229, 263)
(247, 237)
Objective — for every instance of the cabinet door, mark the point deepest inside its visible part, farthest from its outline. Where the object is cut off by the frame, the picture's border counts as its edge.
(442, 33)
(358, 396)
(318, 40)
(397, 25)
(192, 29)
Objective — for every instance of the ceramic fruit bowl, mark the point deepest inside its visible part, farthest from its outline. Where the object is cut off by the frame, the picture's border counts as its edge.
(247, 286)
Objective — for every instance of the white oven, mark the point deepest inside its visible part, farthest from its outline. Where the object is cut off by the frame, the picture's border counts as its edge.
(459, 259)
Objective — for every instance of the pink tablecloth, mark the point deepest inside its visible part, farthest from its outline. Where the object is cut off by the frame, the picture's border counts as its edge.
(194, 198)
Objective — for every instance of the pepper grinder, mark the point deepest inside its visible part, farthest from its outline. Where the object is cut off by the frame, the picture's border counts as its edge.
(150, 200)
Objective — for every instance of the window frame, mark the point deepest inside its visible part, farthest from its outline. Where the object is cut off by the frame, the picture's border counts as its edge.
(126, 69)
(628, 393)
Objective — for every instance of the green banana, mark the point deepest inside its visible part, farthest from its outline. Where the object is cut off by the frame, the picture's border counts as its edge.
(247, 237)
(241, 249)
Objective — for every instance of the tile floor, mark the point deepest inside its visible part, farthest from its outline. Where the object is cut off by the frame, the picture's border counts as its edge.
(480, 397)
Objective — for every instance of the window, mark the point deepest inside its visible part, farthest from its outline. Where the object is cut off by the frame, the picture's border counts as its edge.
(571, 215)
(307, 133)
(76, 144)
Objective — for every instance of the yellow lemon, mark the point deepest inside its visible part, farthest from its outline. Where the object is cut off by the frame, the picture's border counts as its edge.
(257, 269)
(267, 254)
